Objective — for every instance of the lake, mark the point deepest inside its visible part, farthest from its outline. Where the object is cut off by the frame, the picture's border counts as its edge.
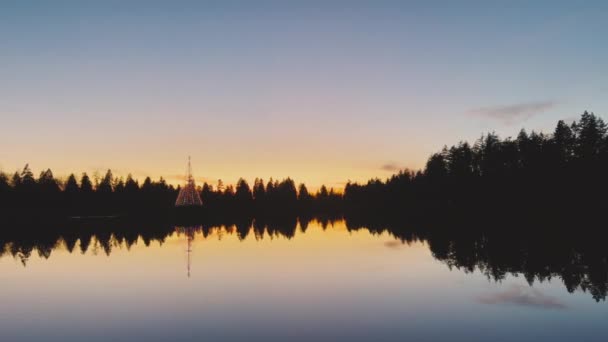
(318, 282)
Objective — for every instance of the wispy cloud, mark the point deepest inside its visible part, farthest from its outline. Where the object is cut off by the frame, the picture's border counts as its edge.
(522, 295)
(391, 167)
(183, 178)
(393, 244)
(514, 113)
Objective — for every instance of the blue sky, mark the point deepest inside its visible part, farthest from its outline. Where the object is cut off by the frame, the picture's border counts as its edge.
(319, 91)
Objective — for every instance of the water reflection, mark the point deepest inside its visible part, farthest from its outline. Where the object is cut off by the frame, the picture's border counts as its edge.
(189, 234)
(522, 295)
(579, 261)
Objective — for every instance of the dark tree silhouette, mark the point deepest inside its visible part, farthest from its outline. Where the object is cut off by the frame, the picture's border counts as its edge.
(259, 191)
(85, 184)
(243, 195)
(547, 174)
(105, 186)
(71, 185)
(563, 173)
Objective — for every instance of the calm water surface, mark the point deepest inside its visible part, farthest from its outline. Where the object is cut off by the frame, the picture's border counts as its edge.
(321, 285)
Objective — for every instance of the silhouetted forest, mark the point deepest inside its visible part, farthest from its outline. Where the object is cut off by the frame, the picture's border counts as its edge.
(563, 171)
(111, 196)
(533, 173)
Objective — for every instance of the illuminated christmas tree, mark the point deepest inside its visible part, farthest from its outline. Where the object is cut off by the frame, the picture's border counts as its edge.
(188, 196)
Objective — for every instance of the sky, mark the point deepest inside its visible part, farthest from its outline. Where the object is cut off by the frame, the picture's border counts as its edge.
(322, 92)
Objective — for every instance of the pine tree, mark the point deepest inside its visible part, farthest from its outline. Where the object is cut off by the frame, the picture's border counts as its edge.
(71, 185)
(85, 184)
(259, 191)
(243, 192)
(303, 194)
(590, 133)
(47, 182)
(563, 141)
(105, 185)
(27, 178)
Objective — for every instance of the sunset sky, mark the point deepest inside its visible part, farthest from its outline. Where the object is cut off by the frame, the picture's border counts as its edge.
(323, 93)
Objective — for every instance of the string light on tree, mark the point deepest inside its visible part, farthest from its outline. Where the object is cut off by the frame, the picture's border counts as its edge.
(188, 196)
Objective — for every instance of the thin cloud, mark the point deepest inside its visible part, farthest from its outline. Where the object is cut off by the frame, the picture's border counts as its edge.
(510, 114)
(391, 167)
(393, 244)
(183, 178)
(523, 296)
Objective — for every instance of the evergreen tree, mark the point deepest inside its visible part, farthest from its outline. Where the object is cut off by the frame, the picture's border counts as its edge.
(563, 141)
(85, 184)
(460, 160)
(131, 186)
(162, 184)
(105, 185)
(4, 182)
(27, 178)
(270, 193)
(71, 185)
(16, 180)
(323, 193)
(47, 182)
(207, 194)
(436, 167)
(119, 185)
(243, 194)
(287, 192)
(5, 192)
(303, 194)
(259, 191)
(590, 133)
(146, 188)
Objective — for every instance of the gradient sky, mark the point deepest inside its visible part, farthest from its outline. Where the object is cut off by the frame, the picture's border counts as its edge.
(320, 92)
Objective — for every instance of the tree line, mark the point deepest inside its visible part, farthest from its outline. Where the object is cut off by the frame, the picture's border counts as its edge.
(112, 195)
(564, 170)
(106, 196)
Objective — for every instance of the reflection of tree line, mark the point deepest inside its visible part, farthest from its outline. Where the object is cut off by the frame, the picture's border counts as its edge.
(552, 249)
(21, 240)
(562, 171)
(537, 248)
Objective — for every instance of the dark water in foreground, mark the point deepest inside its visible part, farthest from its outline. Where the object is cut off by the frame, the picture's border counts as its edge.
(319, 285)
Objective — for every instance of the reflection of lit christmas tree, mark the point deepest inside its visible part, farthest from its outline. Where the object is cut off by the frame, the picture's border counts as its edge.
(189, 232)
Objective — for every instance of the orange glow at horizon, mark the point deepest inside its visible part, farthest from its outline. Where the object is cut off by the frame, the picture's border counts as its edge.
(331, 174)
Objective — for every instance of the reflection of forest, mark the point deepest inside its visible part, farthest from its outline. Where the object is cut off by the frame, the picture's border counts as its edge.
(578, 259)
